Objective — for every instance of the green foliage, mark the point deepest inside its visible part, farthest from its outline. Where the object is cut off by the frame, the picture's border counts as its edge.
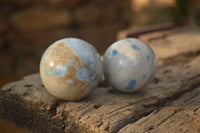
(179, 11)
(196, 16)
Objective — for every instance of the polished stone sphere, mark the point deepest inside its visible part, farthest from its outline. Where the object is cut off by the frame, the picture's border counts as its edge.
(70, 69)
(128, 65)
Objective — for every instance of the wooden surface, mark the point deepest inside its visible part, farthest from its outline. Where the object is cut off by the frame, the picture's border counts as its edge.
(147, 29)
(7, 127)
(171, 103)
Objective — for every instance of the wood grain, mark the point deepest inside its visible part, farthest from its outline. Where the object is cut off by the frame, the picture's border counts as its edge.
(171, 103)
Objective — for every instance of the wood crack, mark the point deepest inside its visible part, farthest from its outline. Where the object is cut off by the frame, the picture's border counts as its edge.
(165, 101)
(162, 103)
(180, 58)
(176, 111)
(27, 103)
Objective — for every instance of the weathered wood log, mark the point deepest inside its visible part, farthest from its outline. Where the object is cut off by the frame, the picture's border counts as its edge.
(171, 103)
(147, 29)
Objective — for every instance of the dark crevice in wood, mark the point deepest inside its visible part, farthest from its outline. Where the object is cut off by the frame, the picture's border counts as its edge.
(161, 122)
(193, 96)
(116, 109)
(28, 85)
(142, 100)
(176, 111)
(196, 109)
(83, 107)
(133, 119)
(162, 103)
(96, 106)
(65, 117)
(32, 123)
(90, 109)
(156, 80)
(168, 100)
(103, 84)
(180, 58)
(101, 123)
(194, 77)
(107, 128)
(191, 87)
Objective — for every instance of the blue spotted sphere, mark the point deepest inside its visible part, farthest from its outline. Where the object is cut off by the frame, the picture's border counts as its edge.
(70, 69)
(128, 65)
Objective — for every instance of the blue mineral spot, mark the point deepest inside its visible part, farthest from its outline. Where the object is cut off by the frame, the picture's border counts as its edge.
(144, 76)
(127, 39)
(150, 77)
(78, 46)
(131, 85)
(69, 81)
(148, 57)
(46, 71)
(91, 66)
(135, 47)
(83, 75)
(114, 52)
(59, 71)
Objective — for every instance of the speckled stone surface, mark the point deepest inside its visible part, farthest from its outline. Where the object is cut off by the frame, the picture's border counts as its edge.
(70, 69)
(128, 65)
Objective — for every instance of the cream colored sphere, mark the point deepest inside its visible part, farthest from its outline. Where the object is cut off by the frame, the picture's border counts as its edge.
(129, 65)
(70, 69)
